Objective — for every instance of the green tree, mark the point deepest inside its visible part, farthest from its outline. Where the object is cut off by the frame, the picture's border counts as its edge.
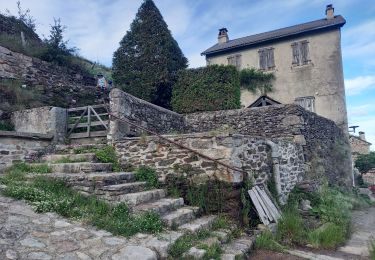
(57, 49)
(146, 63)
(365, 162)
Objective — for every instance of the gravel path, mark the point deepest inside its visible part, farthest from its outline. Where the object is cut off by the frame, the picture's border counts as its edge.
(25, 234)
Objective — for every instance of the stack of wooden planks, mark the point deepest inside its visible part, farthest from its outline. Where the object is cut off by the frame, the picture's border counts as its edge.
(267, 210)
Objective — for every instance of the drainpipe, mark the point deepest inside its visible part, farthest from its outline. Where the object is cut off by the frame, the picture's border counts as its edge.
(275, 163)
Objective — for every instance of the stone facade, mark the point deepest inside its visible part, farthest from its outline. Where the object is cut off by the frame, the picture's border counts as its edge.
(58, 86)
(359, 145)
(143, 113)
(320, 80)
(18, 147)
(325, 146)
(369, 177)
(42, 120)
(249, 154)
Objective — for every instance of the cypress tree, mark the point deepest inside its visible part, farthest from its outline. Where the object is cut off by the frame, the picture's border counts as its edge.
(146, 63)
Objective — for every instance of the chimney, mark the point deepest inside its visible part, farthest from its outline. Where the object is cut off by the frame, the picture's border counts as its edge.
(330, 12)
(362, 136)
(223, 35)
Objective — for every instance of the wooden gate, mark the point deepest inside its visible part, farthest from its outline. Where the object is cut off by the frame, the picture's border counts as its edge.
(89, 121)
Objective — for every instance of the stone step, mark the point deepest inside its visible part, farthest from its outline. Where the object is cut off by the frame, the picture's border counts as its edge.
(204, 222)
(69, 149)
(133, 199)
(180, 216)
(94, 179)
(82, 167)
(120, 189)
(161, 206)
(238, 248)
(84, 157)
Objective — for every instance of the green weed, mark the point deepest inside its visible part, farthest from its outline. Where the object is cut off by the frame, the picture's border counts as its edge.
(328, 236)
(212, 252)
(185, 242)
(147, 174)
(221, 222)
(290, 228)
(267, 241)
(372, 249)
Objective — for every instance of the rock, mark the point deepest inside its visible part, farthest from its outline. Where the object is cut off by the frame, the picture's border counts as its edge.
(305, 205)
(135, 252)
(32, 242)
(195, 253)
(10, 254)
(62, 224)
(83, 256)
(39, 256)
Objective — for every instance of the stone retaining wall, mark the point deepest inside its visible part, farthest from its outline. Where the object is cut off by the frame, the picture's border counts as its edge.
(325, 146)
(19, 147)
(42, 120)
(142, 113)
(250, 154)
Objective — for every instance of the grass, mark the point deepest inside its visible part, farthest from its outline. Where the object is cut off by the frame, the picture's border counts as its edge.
(290, 228)
(212, 251)
(328, 236)
(267, 241)
(47, 195)
(147, 174)
(185, 242)
(106, 154)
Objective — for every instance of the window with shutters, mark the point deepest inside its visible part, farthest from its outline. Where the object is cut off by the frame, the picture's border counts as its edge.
(266, 59)
(307, 103)
(235, 60)
(300, 52)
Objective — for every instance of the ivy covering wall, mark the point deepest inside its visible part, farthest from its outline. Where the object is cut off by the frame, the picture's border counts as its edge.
(215, 87)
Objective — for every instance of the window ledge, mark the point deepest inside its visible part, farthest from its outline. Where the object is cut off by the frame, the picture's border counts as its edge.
(301, 67)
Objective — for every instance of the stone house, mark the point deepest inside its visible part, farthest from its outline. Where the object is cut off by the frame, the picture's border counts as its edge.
(359, 145)
(305, 59)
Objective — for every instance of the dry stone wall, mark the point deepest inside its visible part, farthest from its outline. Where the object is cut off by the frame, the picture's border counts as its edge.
(250, 154)
(57, 86)
(142, 113)
(20, 147)
(325, 146)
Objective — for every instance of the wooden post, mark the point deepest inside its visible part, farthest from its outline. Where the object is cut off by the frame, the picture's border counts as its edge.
(88, 122)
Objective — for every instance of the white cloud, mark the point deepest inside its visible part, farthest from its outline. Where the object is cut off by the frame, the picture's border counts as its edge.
(356, 85)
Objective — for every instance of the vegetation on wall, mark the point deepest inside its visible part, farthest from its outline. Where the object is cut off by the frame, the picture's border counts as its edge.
(210, 88)
(365, 162)
(256, 81)
(146, 63)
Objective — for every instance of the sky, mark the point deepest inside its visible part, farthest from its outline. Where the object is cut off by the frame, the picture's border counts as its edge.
(97, 26)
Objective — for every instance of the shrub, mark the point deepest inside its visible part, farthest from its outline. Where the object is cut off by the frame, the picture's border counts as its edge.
(365, 162)
(147, 174)
(6, 126)
(210, 88)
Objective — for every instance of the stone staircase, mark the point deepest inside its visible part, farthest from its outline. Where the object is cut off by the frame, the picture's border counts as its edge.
(84, 173)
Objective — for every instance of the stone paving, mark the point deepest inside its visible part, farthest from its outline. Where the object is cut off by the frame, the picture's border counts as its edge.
(25, 234)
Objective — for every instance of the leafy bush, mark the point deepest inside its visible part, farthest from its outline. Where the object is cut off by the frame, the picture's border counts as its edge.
(210, 88)
(147, 174)
(365, 162)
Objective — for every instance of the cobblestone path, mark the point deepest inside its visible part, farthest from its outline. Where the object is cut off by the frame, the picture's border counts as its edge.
(25, 234)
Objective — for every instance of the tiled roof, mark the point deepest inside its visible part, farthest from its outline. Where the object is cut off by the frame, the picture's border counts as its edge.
(337, 21)
(359, 139)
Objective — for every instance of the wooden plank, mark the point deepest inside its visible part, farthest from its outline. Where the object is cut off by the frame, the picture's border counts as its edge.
(261, 202)
(102, 114)
(269, 204)
(98, 117)
(92, 134)
(84, 125)
(77, 122)
(82, 108)
(261, 213)
(88, 121)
